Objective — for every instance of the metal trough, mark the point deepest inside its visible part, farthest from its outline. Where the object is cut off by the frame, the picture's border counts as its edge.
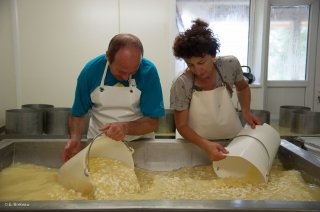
(159, 154)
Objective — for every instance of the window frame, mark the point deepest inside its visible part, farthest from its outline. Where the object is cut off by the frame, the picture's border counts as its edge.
(311, 49)
(258, 38)
(312, 35)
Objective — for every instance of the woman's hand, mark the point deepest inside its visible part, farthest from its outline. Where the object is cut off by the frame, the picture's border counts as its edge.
(251, 119)
(216, 151)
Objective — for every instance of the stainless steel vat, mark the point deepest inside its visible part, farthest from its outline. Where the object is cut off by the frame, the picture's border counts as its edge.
(166, 123)
(160, 154)
(286, 114)
(24, 122)
(40, 107)
(305, 122)
(37, 106)
(57, 121)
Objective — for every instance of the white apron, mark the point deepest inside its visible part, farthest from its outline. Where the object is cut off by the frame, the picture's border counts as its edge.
(115, 104)
(212, 114)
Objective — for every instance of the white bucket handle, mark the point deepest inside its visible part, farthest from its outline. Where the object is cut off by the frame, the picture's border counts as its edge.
(265, 148)
(86, 158)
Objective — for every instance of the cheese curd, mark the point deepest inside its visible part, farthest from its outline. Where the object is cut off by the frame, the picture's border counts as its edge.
(114, 180)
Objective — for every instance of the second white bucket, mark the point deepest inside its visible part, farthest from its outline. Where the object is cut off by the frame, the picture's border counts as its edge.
(72, 173)
(251, 151)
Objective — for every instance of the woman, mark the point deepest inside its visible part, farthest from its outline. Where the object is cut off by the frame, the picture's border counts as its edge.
(201, 96)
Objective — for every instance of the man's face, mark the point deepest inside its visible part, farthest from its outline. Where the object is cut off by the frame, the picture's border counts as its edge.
(126, 62)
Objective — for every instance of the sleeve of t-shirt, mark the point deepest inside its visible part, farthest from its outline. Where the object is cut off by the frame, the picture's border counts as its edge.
(82, 101)
(151, 101)
(238, 69)
(179, 99)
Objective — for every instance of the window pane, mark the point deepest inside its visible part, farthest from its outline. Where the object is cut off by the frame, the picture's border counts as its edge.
(228, 19)
(288, 42)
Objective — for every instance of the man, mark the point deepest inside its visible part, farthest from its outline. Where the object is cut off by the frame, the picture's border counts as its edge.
(123, 91)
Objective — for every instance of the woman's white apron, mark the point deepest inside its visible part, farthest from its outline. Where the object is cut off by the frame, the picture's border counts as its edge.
(212, 114)
(115, 104)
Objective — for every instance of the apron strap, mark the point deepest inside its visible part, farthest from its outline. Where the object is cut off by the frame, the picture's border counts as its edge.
(223, 82)
(104, 77)
(131, 83)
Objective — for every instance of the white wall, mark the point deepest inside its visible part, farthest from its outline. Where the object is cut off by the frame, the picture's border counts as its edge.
(45, 44)
(7, 73)
(56, 39)
(153, 21)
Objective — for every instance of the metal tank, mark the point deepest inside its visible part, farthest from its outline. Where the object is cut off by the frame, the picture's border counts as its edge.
(155, 154)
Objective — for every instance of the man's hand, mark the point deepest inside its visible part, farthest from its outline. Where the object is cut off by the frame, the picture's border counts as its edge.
(70, 150)
(116, 131)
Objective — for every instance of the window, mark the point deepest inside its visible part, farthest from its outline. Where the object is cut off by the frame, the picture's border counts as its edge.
(288, 42)
(228, 19)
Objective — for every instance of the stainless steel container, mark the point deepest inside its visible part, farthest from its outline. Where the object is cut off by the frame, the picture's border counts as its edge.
(40, 107)
(286, 114)
(24, 122)
(305, 122)
(37, 106)
(166, 123)
(263, 115)
(57, 121)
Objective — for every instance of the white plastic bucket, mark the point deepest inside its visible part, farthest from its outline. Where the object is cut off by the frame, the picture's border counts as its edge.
(251, 151)
(72, 174)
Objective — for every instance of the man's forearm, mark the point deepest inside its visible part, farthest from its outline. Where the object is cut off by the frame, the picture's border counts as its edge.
(142, 126)
(76, 127)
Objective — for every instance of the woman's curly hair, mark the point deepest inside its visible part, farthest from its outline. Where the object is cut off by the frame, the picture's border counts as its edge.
(197, 41)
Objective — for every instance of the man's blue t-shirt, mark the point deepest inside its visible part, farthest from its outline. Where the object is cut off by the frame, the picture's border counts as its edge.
(147, 80)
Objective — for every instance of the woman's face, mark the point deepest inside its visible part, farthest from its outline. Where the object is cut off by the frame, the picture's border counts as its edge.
(201, 67)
